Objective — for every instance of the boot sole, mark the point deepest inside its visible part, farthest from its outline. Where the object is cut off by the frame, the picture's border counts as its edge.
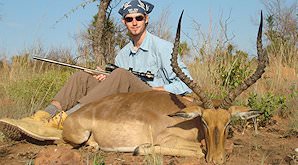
(15, 132)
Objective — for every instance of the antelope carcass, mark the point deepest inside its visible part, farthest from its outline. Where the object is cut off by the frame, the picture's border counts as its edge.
(144, 122)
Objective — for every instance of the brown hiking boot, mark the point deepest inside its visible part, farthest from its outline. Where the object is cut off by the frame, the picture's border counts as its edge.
(39, 126)
(39, 116)
(45, 117)
(26, 127)
(58, 120)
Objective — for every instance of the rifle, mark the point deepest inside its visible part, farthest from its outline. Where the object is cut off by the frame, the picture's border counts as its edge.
(109, 68)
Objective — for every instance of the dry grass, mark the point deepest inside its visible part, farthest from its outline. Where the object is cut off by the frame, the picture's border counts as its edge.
(24, 88)
(216, 61)
(27, 85)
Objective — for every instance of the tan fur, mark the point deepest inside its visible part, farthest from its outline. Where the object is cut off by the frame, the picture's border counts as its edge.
(125, 122)
(128, 120)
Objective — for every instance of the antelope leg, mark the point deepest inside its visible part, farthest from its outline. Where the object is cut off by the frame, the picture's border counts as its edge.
(175, 146)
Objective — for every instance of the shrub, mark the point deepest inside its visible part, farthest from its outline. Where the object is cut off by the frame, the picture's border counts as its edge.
(237, 70)
(227, 70)
(36, 92)
(267, 104)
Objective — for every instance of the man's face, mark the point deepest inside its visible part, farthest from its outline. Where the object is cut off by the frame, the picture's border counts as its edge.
(135, 23)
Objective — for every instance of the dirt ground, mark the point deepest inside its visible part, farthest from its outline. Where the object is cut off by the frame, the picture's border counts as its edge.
(271, 145)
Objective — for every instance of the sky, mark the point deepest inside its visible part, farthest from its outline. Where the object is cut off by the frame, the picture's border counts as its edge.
(27, 23)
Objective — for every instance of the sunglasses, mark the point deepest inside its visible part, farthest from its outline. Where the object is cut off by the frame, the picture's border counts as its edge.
(138, 18)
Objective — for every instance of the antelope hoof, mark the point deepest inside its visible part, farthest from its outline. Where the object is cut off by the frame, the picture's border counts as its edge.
(143, 149)
(91, 148)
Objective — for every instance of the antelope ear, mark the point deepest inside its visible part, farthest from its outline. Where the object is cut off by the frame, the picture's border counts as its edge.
(188, 113)
(244, 112)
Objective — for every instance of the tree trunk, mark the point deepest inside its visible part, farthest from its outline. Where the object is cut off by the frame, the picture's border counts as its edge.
(100, 25)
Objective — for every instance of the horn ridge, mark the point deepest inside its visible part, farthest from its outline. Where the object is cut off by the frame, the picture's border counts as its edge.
(183, 77)
(262, 62)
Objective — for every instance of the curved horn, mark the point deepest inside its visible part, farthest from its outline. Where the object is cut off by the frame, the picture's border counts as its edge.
(262, 61)
(192, 85)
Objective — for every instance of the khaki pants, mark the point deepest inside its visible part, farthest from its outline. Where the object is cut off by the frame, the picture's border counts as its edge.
(83, 88)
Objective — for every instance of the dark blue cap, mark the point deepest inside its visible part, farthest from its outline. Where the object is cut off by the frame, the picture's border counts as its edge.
(135, 6)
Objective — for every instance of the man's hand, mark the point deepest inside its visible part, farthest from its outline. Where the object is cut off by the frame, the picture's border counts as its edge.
(158, 88)
(100, 77)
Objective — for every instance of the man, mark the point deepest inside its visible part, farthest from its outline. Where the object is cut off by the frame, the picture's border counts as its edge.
(145, 52)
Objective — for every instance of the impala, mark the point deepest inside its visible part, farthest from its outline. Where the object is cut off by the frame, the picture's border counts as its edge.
(160, 122)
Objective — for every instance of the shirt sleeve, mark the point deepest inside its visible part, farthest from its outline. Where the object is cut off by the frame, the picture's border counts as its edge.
(175, 85)
(119, 60)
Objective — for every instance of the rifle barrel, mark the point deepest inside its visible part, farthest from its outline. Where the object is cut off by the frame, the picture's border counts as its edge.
(70, 65)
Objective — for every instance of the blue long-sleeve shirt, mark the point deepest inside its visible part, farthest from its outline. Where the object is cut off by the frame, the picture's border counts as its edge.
(154, 55)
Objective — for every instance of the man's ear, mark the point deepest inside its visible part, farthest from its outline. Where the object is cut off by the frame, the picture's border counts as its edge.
(123, 21)
(146, 18)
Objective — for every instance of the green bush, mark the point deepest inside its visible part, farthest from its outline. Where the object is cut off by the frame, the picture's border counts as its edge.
(36, 92)
(236, 72)
(269, 104)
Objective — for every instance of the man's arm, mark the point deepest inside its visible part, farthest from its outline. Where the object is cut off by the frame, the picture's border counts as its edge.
(100, 77)
(158, 88)
(176, 86)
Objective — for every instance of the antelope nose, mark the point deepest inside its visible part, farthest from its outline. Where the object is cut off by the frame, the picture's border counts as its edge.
(218, 161)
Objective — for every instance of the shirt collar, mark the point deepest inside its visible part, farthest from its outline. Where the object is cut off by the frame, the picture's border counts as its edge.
(145, 44)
